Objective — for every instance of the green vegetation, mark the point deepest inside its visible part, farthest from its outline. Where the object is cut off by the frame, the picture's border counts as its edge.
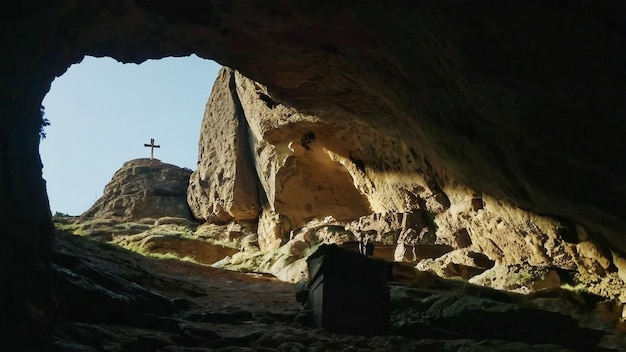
(100, 227)
(179, 242)
(526, 278)
(578, 288)
(430, 221)
(44, 123)
(170, 230)
(162, 256)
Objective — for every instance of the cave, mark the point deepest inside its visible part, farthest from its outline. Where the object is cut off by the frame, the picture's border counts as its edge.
(521, 102)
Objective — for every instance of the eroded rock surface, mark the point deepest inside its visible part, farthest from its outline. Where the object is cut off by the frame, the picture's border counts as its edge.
(144, 189)
(125, 302)
(318, 172)
(247, 140)
(224, 186)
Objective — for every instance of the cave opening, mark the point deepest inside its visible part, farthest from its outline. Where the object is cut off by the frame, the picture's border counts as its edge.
(569, 71)
(101, 114)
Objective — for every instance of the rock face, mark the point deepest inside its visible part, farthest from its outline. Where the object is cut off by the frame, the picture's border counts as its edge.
(470, 93)
(144, 189)
(224, 186)
(309, 168)
(260, 156)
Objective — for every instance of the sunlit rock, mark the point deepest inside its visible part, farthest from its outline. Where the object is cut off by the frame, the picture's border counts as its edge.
(143, 189)
(300, 178)
(224, 185)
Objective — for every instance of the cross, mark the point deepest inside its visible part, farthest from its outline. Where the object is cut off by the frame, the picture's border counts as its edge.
(152, 146)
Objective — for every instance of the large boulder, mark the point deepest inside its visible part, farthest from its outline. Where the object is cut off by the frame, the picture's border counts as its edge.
(300, 176)
(224, 186)
(144, 189)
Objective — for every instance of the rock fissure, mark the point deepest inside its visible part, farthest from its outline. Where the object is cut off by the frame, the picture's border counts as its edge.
(249, 141)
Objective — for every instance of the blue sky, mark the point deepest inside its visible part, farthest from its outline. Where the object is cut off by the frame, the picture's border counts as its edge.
(102, 112)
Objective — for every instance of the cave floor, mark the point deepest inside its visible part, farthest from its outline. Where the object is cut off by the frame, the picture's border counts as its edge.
(111, 299)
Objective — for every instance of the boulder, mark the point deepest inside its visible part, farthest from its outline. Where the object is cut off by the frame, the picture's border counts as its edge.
(417, 313)
(225, 185)
(297, 169)
(461, 263)
(520, 278)
(141, 189)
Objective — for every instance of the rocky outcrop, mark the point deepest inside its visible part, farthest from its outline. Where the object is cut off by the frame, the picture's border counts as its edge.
(129, 302)
(224, 185)
(248, 139)
(445, 227)
(301, 178)
(144, 189)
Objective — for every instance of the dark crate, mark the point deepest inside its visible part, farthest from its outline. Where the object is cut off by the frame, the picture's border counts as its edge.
(348, 292)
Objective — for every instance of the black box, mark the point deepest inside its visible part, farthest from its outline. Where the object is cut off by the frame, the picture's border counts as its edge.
(348, 292)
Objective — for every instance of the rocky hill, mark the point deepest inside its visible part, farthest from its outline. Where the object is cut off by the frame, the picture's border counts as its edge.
(144, 189)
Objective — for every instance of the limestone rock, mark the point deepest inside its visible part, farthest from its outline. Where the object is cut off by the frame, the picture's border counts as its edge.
(143, 188)
(300, 178)
(171, 220)
(461, 263)
(224, 185)
(273, 230)
(620, 263)
(504, 232)
(241, 235)
(518, 278)
(379, 227)
(297, 156)
(416, 253)
(305, 170)
(591, 258)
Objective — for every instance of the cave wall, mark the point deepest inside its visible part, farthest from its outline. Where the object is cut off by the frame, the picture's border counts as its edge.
(336, 180)
(520, 101)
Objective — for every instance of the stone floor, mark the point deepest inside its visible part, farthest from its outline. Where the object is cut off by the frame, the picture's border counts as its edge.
(111, 299)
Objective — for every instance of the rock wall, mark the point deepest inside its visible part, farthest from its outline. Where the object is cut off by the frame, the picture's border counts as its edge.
(335, 180)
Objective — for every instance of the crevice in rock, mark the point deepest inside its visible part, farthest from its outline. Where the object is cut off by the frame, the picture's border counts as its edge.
(246, 141)
(269, 102)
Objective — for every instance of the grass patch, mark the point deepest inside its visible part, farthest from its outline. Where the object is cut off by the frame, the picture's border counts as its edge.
(170, 230)
(104, 228)
(578, 288)
(165, 256)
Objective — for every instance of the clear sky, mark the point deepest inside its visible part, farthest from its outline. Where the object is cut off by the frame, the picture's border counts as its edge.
(102, 112)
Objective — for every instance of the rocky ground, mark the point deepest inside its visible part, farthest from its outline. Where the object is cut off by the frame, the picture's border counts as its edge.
(112, 299)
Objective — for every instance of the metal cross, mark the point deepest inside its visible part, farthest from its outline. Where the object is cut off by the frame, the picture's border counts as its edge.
(152, 146)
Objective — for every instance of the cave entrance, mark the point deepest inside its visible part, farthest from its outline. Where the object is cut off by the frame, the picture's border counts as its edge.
(101, 113)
